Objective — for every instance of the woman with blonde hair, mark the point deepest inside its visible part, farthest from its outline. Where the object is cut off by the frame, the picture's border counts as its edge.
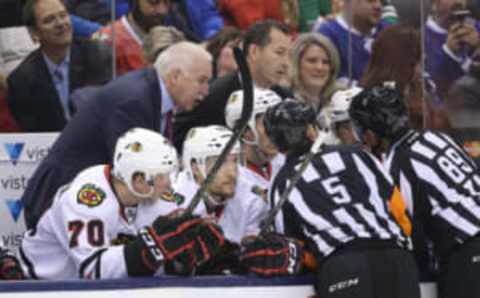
(315, 65)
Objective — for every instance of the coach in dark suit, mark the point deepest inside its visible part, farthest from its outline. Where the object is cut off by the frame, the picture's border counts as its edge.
(39, 88)
(266, 45)
(144, 98)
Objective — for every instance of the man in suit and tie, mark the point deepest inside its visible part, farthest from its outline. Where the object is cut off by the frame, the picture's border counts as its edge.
(143, 98)
(266, 46)
(39, 88)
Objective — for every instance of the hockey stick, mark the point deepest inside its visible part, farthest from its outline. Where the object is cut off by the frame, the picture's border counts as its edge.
(314, 149)
(238, 130)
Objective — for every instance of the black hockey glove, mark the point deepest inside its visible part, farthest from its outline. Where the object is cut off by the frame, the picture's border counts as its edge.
(10, 268)
(224, 262)
(185, 241)
(271, 255)
(207, 242)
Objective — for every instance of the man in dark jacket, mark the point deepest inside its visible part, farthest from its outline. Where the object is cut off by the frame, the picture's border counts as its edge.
(39, 88)
(266, 46)
(144, 98)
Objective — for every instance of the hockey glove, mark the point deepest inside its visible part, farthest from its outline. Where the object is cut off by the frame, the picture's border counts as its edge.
(10, 268)
(207, 242)
(224, 262)
(184, 240)
(271, 255)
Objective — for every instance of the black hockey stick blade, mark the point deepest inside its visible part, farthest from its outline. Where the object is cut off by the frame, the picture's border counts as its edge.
(238, 130)
(314, 149)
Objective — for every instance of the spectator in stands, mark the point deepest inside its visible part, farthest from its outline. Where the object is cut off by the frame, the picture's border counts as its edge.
(200, 16)
(450, 40)
(266, 46)
(15, 45)
(39, 88)
(396, 56)
(98, 11)
(132, 29)
(353, 32)
(144, 98)
(310, 10)
(203, 16)
(158, 39)
(315, 65)
(221, 47)
(244, 13)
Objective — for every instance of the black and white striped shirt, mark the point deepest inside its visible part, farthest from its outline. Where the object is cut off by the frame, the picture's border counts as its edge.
(343, 195)
(441, 186)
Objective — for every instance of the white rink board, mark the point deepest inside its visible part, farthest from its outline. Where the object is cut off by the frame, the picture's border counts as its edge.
(234, 292)
(20, 154)
(175, 287)
(428, 291)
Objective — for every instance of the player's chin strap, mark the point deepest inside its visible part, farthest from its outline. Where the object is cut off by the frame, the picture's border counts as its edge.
(238, 130)
(266, 225)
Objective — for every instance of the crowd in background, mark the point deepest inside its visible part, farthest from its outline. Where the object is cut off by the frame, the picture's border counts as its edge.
(341, 42)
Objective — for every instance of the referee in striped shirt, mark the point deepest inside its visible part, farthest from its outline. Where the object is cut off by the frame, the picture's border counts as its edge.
(344, 209)
(438, 180)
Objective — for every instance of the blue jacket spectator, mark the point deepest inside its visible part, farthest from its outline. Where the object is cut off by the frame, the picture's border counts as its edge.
(353, 32)
(204, 18)
(89, 16)
(352, 64)
(442, 63)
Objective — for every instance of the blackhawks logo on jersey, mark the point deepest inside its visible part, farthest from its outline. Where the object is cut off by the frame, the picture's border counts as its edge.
(90, 195)
(173, 197)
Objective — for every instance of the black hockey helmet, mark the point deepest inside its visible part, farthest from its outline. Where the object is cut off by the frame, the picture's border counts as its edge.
(380, 109)
(286, 124)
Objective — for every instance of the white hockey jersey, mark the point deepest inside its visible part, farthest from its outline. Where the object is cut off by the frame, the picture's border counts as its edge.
(241, 215)
(80, 235)
(263, 178)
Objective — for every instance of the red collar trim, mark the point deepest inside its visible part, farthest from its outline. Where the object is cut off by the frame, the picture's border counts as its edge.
(265, 172)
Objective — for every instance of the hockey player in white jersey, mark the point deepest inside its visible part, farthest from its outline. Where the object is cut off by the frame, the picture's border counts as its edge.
(83, 233)
(230, 199)
(334, 118)
(262, 159)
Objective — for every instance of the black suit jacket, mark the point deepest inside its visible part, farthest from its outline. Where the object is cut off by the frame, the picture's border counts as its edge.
(212, 110)
(89, 138)
(32, 97)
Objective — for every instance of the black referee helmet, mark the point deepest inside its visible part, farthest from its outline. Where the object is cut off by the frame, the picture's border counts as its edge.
(286, 124)
(380, 109)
